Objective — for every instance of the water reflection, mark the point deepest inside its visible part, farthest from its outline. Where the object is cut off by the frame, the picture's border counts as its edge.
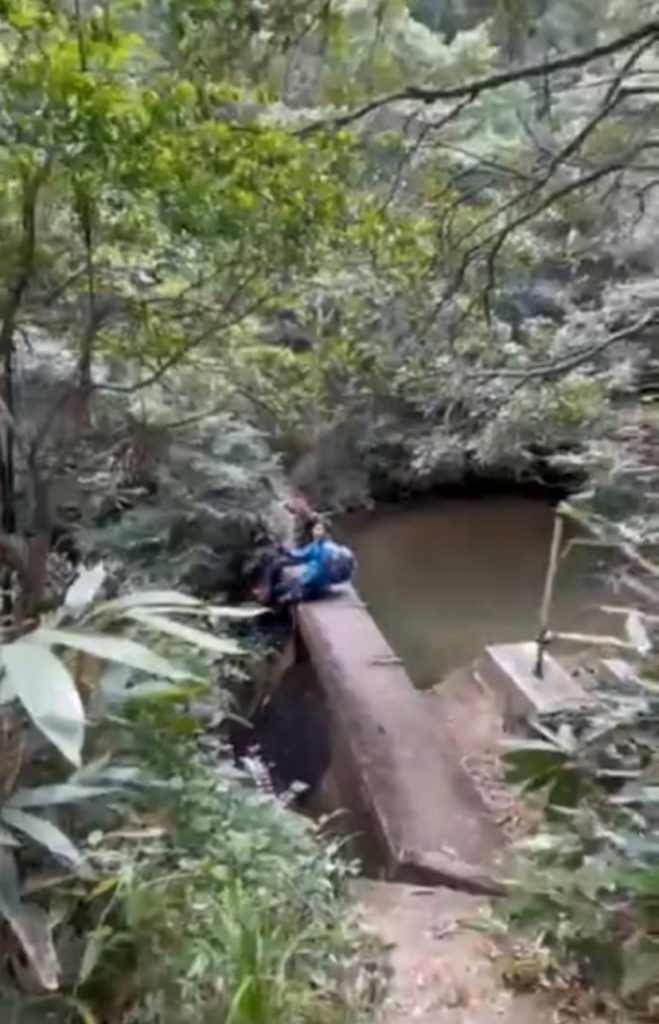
(444, 578)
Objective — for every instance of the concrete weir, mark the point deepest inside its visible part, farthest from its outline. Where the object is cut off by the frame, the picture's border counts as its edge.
(388, 770)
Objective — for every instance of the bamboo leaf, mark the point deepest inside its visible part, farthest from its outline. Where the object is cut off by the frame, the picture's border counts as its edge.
(207, 611)
(637, 633)
(92, 954)
(45, 688)
(45, 834)
(85, 588)
(149, 598)
(235, 614)
(100, 773)
(29, 924)
(187, 634)
(7, 838)
(64, 793)
(117, 649)
(116, 686)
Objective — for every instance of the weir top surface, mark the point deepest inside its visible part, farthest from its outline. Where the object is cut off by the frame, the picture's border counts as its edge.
(422, 799)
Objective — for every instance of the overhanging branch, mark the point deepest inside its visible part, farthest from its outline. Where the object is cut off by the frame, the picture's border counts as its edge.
(476, 87)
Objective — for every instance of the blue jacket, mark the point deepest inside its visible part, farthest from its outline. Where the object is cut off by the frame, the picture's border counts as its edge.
(325, 564)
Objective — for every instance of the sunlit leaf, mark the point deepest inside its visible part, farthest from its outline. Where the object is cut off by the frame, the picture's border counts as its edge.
(101, 773)
(187, 634)
(114, 682)
(637, 633)
(149, 598)
(208, 611)
(45, 688)
(237, 614)
(111, 648)
(117, 687)
(85, 588)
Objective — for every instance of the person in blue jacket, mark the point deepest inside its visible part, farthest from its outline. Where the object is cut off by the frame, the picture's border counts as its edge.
(322, 564)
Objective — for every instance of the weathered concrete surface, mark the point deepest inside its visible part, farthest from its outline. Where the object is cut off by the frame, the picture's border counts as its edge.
(388, 769)
(443, 971)
(508, 672)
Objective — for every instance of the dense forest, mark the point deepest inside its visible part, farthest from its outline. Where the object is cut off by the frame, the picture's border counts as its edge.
(379, 246)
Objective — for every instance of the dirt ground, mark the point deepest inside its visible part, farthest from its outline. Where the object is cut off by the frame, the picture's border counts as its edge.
(443, 971)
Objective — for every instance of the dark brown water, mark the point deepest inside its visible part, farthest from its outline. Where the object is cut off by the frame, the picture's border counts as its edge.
(445, 578)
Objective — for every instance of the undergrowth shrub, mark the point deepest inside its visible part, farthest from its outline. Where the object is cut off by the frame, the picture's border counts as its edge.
(231, 910)
(586, 890)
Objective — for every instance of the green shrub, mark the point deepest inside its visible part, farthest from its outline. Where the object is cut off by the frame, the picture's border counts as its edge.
(235, 913)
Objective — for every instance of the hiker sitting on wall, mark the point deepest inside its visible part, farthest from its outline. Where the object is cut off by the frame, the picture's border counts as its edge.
(307, 573)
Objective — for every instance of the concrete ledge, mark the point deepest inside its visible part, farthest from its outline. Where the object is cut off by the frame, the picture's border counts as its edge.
(508, 672)
(387, 768)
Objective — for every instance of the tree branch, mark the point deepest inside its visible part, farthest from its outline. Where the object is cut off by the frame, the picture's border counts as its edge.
(472, 90)
(571, 362)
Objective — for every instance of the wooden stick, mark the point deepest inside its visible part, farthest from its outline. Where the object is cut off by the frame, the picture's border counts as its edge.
(592, 639)
(550, 580)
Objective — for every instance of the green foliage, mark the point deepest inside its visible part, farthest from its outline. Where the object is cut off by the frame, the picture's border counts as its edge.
(586, 890)
(237, 913)
(182, 893)
(183, 185)
(588, 881)
(210, 499)
(44, 691)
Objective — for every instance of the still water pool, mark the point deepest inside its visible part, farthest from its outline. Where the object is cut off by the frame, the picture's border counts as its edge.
(443, 578)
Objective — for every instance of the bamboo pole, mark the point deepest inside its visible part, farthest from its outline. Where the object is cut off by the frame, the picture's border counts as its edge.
(548, 594)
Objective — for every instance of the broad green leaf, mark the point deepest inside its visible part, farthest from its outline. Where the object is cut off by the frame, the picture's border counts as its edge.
(515, 746)
(63, 793)
(94, 947)
(637, 633)
(29, 923)
(101, 773)
(637, 795)
(187, 634)
(531, 763)
(163, 694)
(43, 685)
(91, 769)
(149, 598)
(114, 682)
(116, 687)
(236, 614)
(111, 648)
(46, 834)
(85, 588)
(648, 684)
(207, 611)
(544, 842)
